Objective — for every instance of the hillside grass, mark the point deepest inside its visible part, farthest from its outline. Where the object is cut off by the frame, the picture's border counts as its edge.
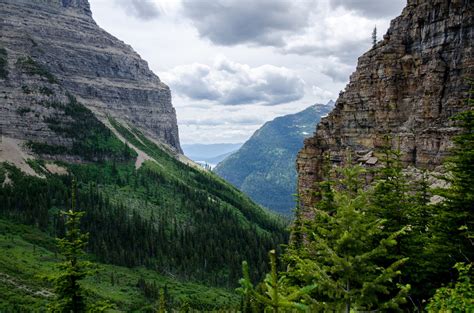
(28, 257)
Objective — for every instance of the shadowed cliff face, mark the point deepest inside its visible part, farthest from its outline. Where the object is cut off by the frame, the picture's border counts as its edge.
(101, 71)
(407, 87)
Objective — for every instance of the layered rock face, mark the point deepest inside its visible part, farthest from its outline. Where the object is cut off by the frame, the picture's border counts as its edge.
(102, 72)
(406, 88)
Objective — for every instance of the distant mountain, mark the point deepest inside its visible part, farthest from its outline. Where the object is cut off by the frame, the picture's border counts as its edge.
(264, 167)
(210, 153)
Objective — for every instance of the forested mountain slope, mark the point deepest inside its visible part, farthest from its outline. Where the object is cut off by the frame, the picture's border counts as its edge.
(66, 111)
(264, 167)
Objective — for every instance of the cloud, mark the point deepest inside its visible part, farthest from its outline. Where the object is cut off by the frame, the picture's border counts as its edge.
(141, 9)
(371, 8)
(232, 83)
(322, 95)
(337, 70)
(263, 22)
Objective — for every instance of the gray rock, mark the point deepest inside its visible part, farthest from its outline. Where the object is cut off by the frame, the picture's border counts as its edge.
(407, 87)
(102, 72)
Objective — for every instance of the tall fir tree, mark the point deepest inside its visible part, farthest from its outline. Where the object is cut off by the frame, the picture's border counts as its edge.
(70, 296)
(342, 252)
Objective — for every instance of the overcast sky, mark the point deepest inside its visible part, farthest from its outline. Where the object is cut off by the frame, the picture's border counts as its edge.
(232, 65)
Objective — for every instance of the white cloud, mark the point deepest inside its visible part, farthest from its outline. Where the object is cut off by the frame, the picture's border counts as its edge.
(371, 8)
(141, 9)
(263, 22)
(315, 41)
(322, 95)
(230, 83)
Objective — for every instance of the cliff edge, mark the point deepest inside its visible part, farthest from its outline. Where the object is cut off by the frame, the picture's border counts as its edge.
(407, 87)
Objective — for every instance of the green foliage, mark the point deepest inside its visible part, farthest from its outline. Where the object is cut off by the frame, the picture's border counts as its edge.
(69, 292)
(31, 67)
(274, 295)
(70, 296)
(454, 220)
(46, 91)
(165, 215)
(264, 167)
(22, 110)
(3, 63)
(27, 255)
(342, 252)
(92, 140)
(458, 297)
(162, 303)
(26, 89)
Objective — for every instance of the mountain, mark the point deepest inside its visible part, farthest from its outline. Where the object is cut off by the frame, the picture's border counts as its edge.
(79, 103)
(59, 45)
(264, 167)
(210, 153)
(407, 87)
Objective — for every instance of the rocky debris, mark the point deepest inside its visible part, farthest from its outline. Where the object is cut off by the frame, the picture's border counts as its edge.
(407, 88)
(55, 169)
(371, 161)
(8, 280)
(12, 151)
(54, 47)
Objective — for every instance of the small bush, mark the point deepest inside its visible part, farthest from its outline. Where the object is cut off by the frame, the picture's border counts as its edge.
(3, 63)
(31, 67)
(46, 91)
(22, 111)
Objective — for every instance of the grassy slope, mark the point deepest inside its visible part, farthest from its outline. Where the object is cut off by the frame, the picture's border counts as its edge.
(28, 256)
(212, 220)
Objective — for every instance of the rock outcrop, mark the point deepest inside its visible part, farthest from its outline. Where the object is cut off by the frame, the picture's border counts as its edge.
(407, 87)
(54, 48)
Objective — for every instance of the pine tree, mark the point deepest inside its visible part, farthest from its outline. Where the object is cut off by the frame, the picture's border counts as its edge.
(455, 219)
(69, 292)
(275, 295)
(343, 250)
(374, 37)
(452, 224)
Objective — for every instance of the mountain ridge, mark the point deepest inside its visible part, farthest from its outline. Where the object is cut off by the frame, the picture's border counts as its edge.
(264, 167)
(102, 72)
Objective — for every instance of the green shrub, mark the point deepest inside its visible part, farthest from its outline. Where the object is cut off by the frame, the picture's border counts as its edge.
(3, 63)
(31, 67)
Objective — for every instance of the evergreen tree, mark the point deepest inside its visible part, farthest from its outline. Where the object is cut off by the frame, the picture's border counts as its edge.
(374, 37)
(342, 253)
(70, 295)
(275, 295)
(454, 222)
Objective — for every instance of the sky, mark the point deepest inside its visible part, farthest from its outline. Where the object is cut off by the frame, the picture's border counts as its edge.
(233, 65)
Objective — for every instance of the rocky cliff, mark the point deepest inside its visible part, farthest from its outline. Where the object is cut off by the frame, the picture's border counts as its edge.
(407, 87)
(53, 48)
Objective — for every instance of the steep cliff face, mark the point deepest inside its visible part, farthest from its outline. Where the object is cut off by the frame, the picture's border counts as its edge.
(407, 87)
(54, 48)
